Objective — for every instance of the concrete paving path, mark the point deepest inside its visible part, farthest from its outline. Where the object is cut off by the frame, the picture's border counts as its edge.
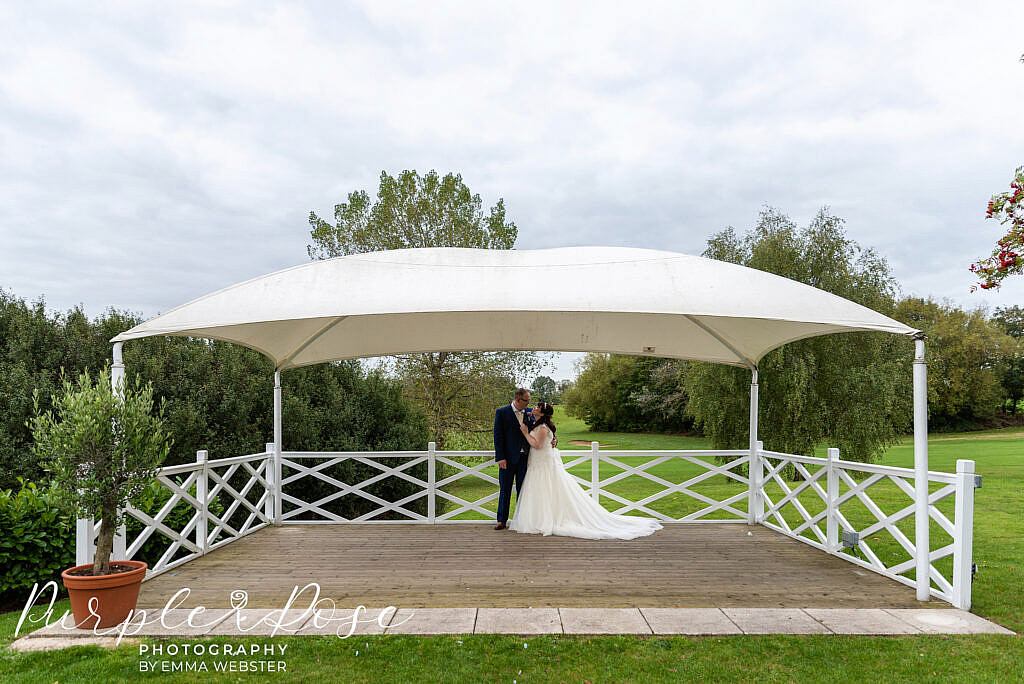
(524, 622)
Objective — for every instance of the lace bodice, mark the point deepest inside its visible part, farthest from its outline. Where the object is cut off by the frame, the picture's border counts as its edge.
(545, 449)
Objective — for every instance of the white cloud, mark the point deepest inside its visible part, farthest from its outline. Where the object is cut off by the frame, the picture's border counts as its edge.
(150, 154)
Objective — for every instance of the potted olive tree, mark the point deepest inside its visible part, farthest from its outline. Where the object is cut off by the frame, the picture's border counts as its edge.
(102, 448)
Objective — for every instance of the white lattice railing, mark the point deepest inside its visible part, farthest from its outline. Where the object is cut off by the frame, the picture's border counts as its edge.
(203, 505)
(736, 459)
(857, 511)
(319, 466)
(446, 501)
(853, 510)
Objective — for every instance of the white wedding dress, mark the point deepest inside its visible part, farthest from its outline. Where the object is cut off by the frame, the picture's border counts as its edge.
(552, 502)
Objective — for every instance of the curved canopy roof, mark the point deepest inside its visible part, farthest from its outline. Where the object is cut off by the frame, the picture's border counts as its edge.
(605, 299)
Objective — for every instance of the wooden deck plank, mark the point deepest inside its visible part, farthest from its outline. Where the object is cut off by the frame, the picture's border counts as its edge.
(417, 566)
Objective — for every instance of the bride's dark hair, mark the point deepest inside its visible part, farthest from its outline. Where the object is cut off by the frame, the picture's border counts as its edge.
(542, 413)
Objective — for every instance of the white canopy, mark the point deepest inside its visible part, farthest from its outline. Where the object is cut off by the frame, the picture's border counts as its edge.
(606, 299)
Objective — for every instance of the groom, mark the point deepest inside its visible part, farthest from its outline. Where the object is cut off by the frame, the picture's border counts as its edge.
(511, 450)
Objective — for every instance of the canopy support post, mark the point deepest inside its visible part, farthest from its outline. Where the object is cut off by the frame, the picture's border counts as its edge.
(277, 447)
(117, 369)
(755, 472)
(119, 552)
(921, 542)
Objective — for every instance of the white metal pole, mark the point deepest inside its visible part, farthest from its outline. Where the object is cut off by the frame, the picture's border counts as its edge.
(117, 369)
(755, 503)
(431, 481)
(595, 472)
(119, 552)
(277, 447)
(831, 495)
(921, 542)
(202, 496)
(268, 506)
(963, 537)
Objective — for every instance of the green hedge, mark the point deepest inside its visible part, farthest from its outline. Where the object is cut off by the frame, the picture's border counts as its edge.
(37, 535)
(37, 540)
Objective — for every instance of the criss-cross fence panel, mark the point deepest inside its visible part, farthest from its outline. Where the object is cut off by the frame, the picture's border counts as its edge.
(462, 486)
(864, 513)
(860, 512)
(240, 498)
(331, 487)
(421, 487)
(795, 497)
(463, 491)
(674, 486)
(190, 510)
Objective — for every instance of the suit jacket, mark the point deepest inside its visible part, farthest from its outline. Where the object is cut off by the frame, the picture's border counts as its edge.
(509, 442)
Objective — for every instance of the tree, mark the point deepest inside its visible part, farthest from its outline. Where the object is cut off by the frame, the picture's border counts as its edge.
(544, 389)
(103, 449)
(1011, 320)
(851, 389)
(964, 352)
(628, 393)
(216, 396)
(35, 346)
(600, 394)
(967, 353)
(1005, 259)
(1011, 370)
(458, 390)
(662, 396)
(411, 211)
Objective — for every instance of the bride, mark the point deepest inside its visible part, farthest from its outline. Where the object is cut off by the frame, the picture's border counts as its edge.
(552, 502)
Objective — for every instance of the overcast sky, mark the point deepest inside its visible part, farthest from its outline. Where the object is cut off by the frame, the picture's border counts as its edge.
(151, 153)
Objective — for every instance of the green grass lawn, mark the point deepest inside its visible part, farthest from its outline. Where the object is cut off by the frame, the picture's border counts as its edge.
(555, 658)
(998, 550)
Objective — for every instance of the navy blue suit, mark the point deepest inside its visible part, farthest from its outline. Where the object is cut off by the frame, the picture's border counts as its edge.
(510, 445)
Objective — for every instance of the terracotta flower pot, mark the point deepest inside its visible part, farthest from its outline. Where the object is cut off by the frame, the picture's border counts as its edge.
(116, 595)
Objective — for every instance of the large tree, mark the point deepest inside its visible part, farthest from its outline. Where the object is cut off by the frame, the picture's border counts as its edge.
(411, 211)
(458, 390)
(851, 390)
(1011, 371)
(614, 392)
(964, 352)
(544, 388)
(216, 396)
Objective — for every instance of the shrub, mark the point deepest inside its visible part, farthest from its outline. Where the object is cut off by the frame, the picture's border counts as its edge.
(38, 539)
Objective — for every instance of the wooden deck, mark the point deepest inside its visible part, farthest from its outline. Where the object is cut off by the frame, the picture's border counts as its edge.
(472, 565)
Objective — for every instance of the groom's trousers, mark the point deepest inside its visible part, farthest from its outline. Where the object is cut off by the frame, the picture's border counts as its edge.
(513, 472)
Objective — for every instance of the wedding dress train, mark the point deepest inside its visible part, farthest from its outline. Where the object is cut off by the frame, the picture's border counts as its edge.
(552, 502)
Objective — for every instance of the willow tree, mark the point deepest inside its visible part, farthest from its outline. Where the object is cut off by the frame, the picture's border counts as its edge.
(851, 390)
(457, 390)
